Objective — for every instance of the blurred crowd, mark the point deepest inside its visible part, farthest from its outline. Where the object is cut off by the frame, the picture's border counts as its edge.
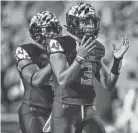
(119, 110)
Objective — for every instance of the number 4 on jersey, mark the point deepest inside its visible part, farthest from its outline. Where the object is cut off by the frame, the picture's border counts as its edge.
(55, 46)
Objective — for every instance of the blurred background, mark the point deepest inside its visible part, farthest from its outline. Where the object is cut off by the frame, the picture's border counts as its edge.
(117, 109)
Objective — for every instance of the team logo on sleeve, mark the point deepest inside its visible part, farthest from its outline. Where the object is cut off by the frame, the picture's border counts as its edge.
(21, 54)
(55, 46)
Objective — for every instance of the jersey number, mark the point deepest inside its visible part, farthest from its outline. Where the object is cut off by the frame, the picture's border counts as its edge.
(21, 54)
(87, 78)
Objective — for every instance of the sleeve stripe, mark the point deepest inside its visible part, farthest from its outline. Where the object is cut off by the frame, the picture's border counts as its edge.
(58, 52)
(32, 79)
(22, 59)
(21, 69)
(26, 65)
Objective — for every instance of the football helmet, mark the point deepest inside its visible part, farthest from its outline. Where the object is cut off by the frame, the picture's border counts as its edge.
(82, 19)
(44, 26)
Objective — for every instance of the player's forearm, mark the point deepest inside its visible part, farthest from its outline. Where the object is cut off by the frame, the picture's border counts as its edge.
(41, 76)
(112, 78)
(111, 81)
(68, 76)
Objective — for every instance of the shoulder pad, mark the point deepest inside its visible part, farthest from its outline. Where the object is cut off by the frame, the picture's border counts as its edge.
(99, 49)
(55, 47)
(97, 53)
(67, 42)
(32, 49)
(21, 54)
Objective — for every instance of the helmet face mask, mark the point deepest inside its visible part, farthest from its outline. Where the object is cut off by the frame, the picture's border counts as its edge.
(82, 20)
(44, 26)
(51, 31)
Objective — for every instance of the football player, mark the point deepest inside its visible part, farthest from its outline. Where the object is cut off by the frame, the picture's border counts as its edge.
(35, 71)
(76, 60)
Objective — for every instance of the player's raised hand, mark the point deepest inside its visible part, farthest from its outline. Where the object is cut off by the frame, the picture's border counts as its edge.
(86, 47)
(119, 53)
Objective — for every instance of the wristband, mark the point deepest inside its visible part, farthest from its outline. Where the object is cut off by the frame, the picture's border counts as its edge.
(78, 61)
(116, 66)
(80, 57)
